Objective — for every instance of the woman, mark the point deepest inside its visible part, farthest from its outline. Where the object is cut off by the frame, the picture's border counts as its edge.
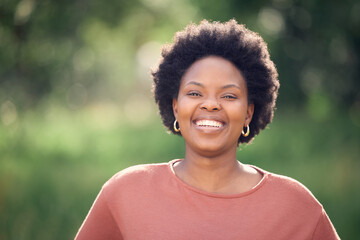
(216, 87)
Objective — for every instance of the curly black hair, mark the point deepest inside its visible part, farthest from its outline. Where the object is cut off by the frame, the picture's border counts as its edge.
(231, 41)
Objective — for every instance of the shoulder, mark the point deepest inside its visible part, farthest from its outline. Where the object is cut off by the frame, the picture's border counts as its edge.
(140, 175)
(138, 172)
(290, 192)
(287, 198)
(288, 184)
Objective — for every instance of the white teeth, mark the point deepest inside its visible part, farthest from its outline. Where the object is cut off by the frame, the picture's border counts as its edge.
(209, 123)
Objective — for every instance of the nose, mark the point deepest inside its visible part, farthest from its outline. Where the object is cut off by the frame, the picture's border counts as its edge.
(210, 104)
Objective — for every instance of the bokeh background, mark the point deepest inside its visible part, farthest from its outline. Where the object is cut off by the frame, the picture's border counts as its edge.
(76, 103)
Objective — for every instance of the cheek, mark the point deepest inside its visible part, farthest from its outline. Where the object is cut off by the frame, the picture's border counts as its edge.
(185, 107)
(237, 112)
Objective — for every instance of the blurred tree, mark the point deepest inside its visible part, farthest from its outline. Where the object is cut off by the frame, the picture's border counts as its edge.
(315, 44)
(39, 40)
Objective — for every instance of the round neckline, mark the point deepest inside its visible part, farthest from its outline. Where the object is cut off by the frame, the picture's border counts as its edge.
(218, 195)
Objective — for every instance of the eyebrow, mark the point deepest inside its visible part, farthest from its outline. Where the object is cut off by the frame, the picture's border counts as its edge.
(230, 86)
(195, 83)
(223, 87)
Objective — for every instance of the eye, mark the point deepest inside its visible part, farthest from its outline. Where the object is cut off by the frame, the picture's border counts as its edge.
(194, 94)
(230, 97)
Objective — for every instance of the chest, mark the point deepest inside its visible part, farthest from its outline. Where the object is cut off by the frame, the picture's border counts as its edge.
(188, 216)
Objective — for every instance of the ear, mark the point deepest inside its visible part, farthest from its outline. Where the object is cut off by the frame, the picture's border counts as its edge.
(175, 108)
(249, 114)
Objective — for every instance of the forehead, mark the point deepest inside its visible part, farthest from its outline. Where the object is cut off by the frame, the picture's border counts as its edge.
(214, 69)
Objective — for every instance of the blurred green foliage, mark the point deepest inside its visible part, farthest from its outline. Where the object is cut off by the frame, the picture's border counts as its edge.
(76, 107)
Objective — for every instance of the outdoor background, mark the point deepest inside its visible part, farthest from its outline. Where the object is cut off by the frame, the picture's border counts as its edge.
(76, 104)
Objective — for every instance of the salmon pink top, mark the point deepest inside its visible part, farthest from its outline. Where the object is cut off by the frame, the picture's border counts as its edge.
(151, 202)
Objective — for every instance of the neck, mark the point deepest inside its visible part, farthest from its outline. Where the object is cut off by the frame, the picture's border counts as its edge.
(210, 172)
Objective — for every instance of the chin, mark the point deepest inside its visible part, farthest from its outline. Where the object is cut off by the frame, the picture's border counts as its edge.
(211, 148)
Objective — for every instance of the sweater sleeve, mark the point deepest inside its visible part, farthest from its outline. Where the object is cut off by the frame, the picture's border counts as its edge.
(325, 229)
(99, 223)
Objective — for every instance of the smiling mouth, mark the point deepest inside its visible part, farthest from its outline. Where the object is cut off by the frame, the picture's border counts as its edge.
(209, 123)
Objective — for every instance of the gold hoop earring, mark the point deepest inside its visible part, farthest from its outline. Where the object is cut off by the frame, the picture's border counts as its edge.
(247, 131)
(176, 129)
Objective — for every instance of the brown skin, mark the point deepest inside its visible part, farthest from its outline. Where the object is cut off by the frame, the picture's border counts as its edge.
(213, 89)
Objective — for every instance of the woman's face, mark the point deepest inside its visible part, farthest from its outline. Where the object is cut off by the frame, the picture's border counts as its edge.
(212, 106)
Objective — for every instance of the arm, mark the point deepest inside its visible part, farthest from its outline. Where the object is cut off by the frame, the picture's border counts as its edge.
(99, 223)
(324, 229)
